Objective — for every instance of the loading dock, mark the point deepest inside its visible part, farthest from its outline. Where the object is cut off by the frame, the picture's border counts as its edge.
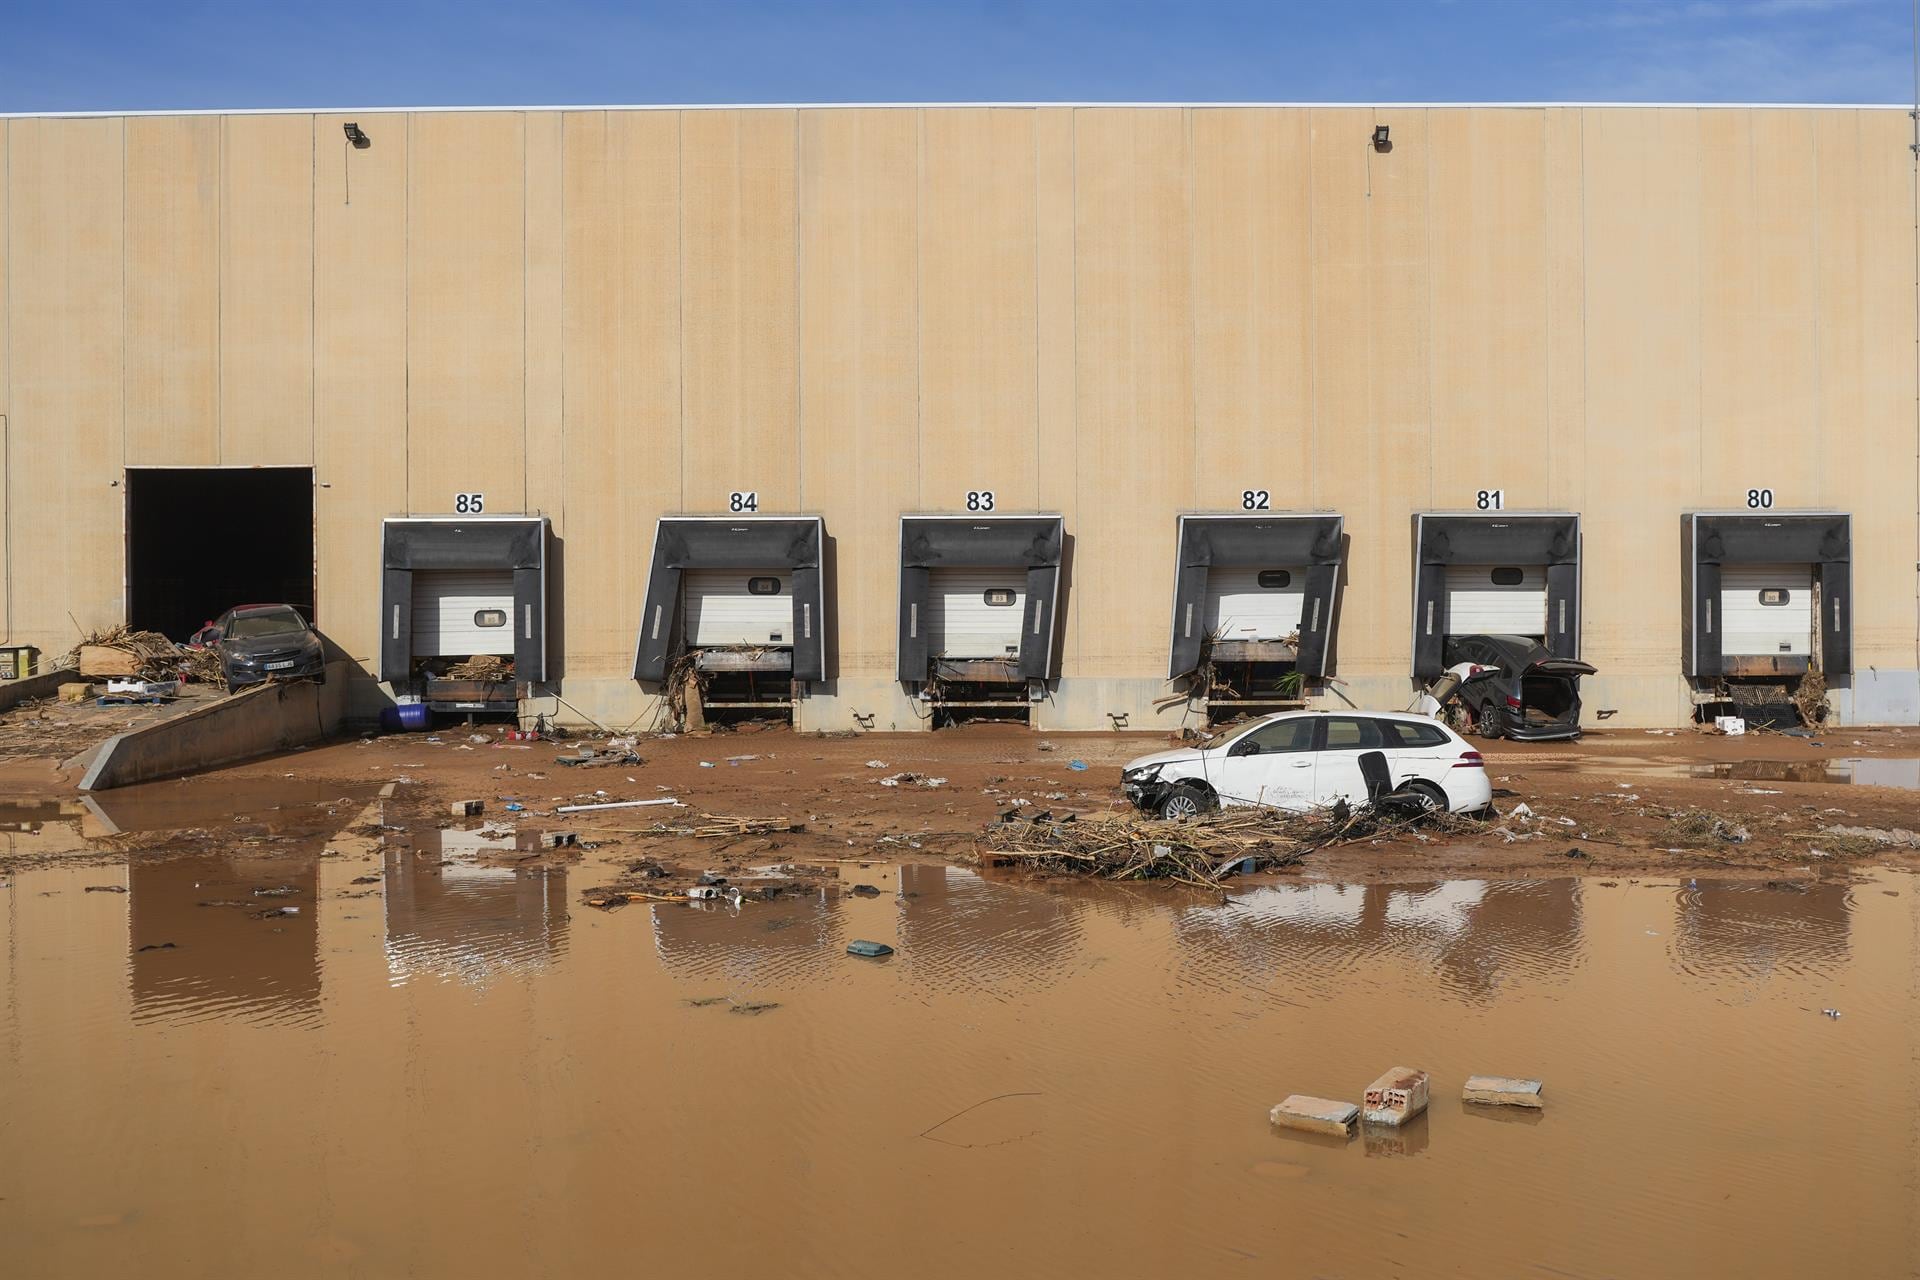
(978, 612)
(1766, 598)
(1501, 573)
(463, 610)
(736, 605)
(1253, 607)
(201, 540)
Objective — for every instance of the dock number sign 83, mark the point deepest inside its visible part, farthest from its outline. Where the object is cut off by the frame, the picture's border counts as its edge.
(979, 499)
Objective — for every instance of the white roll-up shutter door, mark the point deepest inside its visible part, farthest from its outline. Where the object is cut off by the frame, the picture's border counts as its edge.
(458, 613)
(1750, 627)
(1478, 605)
(723, 609)
(1239, 608)
(960, 622)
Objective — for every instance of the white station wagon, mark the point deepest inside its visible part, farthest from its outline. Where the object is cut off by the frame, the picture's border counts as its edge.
(1301, 760)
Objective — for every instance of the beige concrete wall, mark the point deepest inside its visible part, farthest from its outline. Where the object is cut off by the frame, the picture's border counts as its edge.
(1118, 314)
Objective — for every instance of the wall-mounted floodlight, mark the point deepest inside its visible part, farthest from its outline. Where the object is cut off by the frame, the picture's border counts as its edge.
(1382, 138)
(356, 135)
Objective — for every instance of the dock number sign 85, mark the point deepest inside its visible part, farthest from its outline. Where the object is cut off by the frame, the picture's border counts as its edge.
(469, 504)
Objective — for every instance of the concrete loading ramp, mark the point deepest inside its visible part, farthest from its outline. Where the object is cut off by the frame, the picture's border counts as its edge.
(258, 722)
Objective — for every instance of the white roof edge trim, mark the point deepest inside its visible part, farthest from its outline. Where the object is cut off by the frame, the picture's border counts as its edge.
(929, 106)
(1770, 513)
(480, 519)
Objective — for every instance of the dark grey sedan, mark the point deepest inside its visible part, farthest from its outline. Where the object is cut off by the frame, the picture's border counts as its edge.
(260, 642)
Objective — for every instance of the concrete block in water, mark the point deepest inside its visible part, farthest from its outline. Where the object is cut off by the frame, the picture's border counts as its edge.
(1396, 1097)
(465, 808)
(1502, 1091)
(1315, 1115)
(558, 839)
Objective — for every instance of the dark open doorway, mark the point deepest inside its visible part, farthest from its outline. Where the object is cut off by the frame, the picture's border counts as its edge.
(201, 540)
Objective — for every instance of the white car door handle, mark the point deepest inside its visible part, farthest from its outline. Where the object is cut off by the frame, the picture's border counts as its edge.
(1300, 764)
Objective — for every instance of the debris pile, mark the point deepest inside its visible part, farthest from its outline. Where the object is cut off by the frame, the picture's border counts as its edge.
(715, 826)
(201, 666)
(482, 666)
(1200, 851)
(120, 651)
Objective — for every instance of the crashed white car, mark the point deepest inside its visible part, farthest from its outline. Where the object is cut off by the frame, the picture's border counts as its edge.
(1301, 760)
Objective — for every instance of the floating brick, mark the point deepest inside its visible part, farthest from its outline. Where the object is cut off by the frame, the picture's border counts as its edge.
(1396, 1097)
(465, 808)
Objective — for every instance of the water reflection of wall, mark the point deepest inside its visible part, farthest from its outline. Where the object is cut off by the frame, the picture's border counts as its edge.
(1477, 933)
(1743, 928)
(959, 928)
(758, 942)
(470, 923)
(224, 959)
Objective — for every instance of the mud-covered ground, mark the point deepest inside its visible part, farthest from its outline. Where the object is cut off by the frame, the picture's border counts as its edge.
(1616, 802)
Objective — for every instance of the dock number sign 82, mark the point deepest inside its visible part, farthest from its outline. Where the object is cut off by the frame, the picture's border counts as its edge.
(1255, 499)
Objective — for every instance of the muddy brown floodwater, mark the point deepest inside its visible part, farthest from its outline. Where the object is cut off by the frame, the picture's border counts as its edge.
(311, 1047)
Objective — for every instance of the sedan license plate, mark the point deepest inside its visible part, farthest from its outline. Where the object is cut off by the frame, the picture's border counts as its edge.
(279, 666)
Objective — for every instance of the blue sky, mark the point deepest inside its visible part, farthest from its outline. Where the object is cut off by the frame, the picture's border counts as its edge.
(157, 55)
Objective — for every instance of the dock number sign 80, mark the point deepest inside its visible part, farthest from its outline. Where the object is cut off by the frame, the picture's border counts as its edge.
(1759, 499)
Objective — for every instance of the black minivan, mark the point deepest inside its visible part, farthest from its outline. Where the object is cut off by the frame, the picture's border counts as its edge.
(1535, 696)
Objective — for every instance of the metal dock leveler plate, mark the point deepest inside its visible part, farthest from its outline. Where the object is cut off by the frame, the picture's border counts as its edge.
(1255, 580)
(738, 583)
(1498, 573)
(495, 564)
(1766, 593)
(942, 559)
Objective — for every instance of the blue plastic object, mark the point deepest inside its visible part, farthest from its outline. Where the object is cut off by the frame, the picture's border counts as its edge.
(405, 717)
(1078, 766)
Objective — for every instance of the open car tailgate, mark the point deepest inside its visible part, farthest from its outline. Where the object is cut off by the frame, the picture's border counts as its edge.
(1561, 667)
